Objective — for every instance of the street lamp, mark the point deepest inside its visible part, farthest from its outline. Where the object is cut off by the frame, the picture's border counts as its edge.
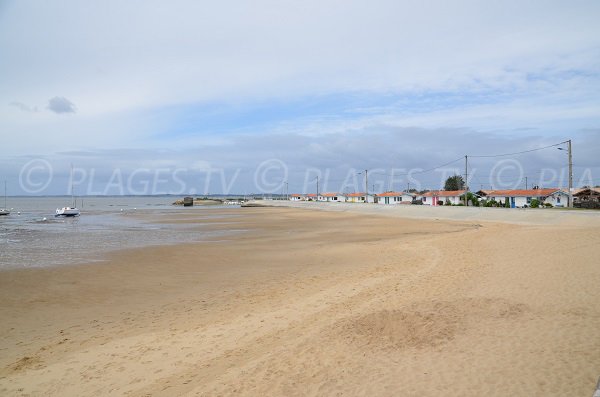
(366, 185)
(570, 153)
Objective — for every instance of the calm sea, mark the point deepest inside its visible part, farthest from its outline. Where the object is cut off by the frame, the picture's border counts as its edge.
(32, 237)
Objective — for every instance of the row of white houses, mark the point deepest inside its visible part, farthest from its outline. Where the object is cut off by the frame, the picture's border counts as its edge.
(335, 197)
(429, 198)
(523, 198)
(515, 198)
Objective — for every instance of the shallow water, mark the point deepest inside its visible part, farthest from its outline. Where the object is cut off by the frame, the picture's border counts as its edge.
(32, 237)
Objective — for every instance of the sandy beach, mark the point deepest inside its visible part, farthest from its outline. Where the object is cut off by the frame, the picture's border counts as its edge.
(307, 302)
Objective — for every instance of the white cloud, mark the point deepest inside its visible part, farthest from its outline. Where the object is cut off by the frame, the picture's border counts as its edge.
(130, 55)
(123, 63)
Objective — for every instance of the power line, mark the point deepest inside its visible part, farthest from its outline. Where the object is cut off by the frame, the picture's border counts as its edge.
(515, 153)
(468, 168)
(435, 168)
(420, 172)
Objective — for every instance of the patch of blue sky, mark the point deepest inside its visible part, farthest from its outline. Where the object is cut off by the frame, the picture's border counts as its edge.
(432, 101)
(225, 118)
(551, 76)
(222, 117)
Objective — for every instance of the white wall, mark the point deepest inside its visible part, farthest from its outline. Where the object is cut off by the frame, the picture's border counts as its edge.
(391, 200)
(521, 202)
(453, 200)
(407, 197)
(558, 200)
(335, 199)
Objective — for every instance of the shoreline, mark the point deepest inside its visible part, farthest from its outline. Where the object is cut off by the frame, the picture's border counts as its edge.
(31, 243)
(517, 216)
(314, 303)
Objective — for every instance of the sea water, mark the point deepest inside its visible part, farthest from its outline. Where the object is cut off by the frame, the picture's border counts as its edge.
(31, 236)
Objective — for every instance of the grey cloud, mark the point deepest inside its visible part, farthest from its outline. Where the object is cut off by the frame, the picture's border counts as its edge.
(24, 107)
(386, 151)
(61, 105)
(395, 46)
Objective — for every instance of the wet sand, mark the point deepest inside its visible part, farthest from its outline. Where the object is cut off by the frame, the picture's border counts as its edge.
(309, 302)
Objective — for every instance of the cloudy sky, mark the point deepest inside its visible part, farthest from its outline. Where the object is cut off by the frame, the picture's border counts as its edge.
(197, 96)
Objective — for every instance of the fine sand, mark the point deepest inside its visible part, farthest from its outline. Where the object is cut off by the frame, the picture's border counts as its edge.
(319, 303)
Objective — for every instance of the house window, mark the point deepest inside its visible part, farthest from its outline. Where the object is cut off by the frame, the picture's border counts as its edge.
(528, 200)
(557, 199)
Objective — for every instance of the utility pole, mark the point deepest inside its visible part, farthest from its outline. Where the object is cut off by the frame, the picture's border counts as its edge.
(408, 188)
(466, 178)
(525, 183)
(570, 152)
(366, 186)
(570, 175)
(317, 198)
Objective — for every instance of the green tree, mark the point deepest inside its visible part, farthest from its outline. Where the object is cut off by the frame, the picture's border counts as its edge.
(455, 182)
(471, 198)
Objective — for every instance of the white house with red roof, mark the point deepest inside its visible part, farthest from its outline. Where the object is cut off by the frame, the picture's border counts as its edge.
(441, 197)
(394, 198)
(359, 198)
(519, 198)
(559, 198)
(332, 197)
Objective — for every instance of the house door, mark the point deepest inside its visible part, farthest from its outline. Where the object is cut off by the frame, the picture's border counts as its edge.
(512, 202)
(387, 200)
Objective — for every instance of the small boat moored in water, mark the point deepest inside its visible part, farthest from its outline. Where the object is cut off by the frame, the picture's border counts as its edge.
(4, 211)
(67, 211)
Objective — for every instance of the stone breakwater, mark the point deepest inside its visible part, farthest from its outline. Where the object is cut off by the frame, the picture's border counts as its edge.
(200, 201)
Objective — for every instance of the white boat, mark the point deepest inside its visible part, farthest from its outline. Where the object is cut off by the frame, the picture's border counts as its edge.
(4, 211)
(69, 211)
